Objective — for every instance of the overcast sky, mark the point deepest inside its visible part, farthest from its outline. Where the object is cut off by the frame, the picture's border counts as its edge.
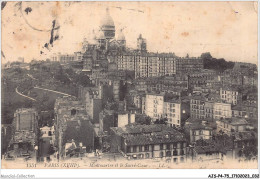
(225, 29)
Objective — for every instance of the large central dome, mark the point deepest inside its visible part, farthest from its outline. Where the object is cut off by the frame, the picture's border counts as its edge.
(107, 20)
(108, 26)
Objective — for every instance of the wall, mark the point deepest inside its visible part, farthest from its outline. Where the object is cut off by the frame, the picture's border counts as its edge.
(122, 120)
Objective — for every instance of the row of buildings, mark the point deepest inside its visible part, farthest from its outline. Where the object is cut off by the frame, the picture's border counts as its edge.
(74, 134)
(149, 141)
(157, 64)
(224, 103)
(143, 64)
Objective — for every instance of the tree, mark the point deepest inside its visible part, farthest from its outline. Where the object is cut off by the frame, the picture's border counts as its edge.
(161, 121)
(206, 55)
(216, 64)
(148, 120)
(143, 120)
(69, 71)
(83, 80)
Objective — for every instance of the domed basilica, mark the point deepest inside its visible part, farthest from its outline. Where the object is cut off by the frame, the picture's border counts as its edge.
(105, 37)
(102, 49)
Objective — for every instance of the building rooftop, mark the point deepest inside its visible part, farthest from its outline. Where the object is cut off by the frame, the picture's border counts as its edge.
(172, 100)
(206, 149)
(156, 138)
(155, 94)
(199, 126)
(230, 87)
(199, 97)
(196, 124)
(238, 107)
(235, 121)
(138, 129)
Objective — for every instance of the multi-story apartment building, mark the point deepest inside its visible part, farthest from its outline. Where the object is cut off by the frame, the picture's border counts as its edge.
(25, 119)
(63, 58)
(155, 106)
(67, 109)
(197, 107)
(126, 61)
(149, 141)
(87, 59)
(141, 67)
(188, 65)
(172, 111)
(229, 95)
(222, 110)
(178, 81)
(209, 106)
(24, 141)
(210, 152)
(147, 64)
(140, 84)
(239, 76)
(238, 111)
(198, 132)
(136, 98)
(174, 84)
(78, 56)
(91, 98)
(168, 67)
(198, 129)
(163, 64)
(251, 110)
(153, 66)
(201, 77)
(205, 107)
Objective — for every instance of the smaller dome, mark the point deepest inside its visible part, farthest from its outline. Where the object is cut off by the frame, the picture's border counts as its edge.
(121, 36)
(100, 35)
(92, 37)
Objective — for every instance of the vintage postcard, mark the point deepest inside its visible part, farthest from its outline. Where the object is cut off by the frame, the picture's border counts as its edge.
(129, 85)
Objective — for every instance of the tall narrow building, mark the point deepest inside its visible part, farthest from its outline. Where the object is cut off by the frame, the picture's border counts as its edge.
(141, 44)
(25, 119)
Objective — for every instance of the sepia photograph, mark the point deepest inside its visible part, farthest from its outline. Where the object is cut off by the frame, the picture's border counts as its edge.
(129, 85)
